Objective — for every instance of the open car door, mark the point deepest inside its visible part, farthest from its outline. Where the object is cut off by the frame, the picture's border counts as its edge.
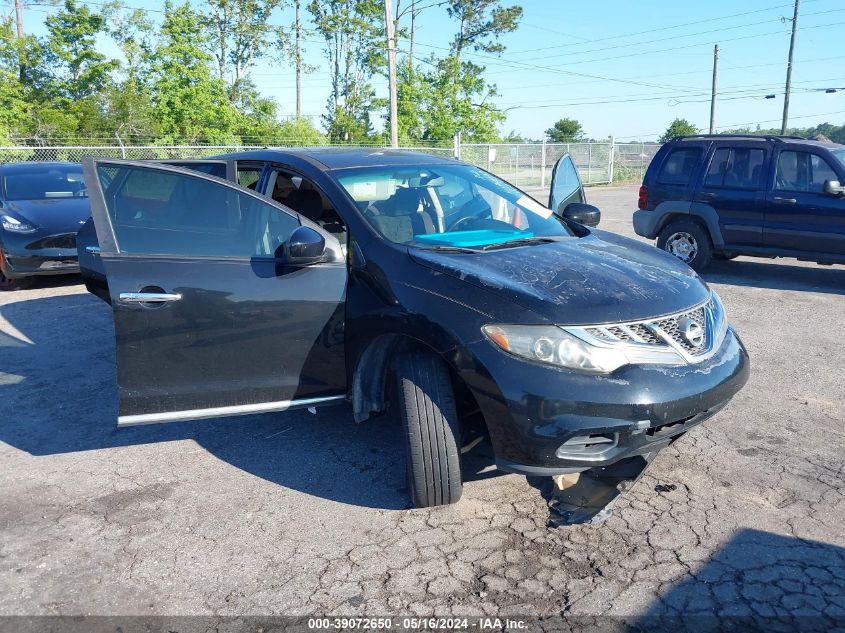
(224, 301)
(566, 185)
(87, 247)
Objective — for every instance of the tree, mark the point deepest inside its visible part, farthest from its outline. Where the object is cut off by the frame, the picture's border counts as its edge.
(189, 104)
(14, 108)
(565, 131)
(481, 23)
(128, 105)
(240, 33)
(438, 102)
(678, 127)
(352, 30)
(77, 69)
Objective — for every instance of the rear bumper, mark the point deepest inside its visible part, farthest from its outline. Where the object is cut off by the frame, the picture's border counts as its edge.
(646, 223)
(19, 259)
(544, 421)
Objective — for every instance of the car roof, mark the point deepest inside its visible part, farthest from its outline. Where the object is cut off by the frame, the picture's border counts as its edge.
(343, 157)
(13, 168)
(734, 138)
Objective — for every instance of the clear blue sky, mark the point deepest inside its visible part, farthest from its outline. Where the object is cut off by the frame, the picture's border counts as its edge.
(621, 68)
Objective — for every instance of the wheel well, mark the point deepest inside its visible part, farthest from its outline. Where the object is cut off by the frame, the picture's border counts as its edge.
(372, 371)
(672, 217)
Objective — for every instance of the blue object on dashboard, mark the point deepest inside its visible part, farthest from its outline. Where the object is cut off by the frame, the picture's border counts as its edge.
(478, 237)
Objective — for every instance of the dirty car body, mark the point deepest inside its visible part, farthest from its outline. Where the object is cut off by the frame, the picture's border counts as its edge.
(579, 348)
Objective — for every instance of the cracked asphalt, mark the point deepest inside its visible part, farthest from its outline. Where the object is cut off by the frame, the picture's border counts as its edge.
(306, 514)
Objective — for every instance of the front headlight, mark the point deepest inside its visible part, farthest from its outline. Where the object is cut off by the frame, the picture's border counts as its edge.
(553, 346)
(13, 225)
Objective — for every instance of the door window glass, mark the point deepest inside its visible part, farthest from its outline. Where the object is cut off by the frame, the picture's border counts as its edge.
(679, 166)
(820, 171)
(802, 172)
(248, 176)
(154, 211)
(736, 168)
(566, 182)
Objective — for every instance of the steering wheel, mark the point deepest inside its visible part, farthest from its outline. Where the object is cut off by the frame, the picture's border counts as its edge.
(455, 225)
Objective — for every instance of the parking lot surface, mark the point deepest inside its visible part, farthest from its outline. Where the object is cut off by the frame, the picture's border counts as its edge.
(297, 513)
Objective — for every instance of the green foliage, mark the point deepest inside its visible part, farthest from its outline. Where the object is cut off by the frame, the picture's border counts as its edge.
(187, 79)
(75, 68)
(678, 127)
(353, 33)
(13, 103)
(565, 131)
(188, 102)
(481, 23)
(240, 33)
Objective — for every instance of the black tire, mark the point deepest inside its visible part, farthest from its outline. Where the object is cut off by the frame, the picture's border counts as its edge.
(432, 430)
(7, 284)
(688, 241)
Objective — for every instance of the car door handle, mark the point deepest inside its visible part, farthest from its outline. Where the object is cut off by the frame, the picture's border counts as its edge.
(707, 194)
(779, 200)
(94, 250)
(148, 297)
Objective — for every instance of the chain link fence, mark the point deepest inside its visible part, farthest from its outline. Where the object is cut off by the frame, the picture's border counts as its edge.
(531, 164)
(524, 164)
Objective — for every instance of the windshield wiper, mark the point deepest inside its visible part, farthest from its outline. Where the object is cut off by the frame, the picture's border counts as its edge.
(537, 239)
(447, 249)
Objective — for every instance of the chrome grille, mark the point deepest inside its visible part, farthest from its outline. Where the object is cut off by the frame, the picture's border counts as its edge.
(660, 331)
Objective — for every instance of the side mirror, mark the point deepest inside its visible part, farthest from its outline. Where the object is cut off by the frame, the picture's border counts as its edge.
(304, 246)
(833, 188)
(583, 213)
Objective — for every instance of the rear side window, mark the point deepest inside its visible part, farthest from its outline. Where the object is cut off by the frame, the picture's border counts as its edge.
(679, 166)
(802, 172)
(736, 168)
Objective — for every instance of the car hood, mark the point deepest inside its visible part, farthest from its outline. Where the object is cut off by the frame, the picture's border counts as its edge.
(600, 278)
(55, 215)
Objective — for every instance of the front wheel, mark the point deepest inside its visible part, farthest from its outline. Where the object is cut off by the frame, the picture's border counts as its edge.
(432, 431)
(688, 241)
(7, 284)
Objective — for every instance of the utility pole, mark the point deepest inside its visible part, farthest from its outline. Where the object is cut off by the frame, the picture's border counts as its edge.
(789, 69)
(391, 73)
(298, 55)
(713, 89)
(413, 25)
(21, 54)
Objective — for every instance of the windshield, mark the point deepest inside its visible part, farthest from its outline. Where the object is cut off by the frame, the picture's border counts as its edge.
(40, 183)
(840, 154)
(449, 207)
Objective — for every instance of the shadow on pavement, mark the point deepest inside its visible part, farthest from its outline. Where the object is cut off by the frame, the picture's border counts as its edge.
(769, 274)
(58, 395)
(758, 581)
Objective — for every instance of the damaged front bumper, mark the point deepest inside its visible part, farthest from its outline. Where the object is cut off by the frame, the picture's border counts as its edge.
(546, 422)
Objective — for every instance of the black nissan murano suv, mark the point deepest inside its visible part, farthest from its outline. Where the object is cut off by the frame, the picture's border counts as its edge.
(312, 277)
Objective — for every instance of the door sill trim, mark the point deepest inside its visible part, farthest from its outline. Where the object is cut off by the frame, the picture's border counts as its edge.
(220, 412)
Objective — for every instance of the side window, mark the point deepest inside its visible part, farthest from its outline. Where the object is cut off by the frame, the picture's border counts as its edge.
(158, 212)
(802, 172)
(301, 195)
(736, 168)
(718, 165)
(566, 182)
(679, 166)
(248, 176)
(820, 171)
